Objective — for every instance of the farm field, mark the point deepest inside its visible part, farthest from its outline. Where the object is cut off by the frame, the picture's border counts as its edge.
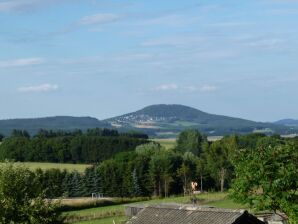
(116, 212)
(170, 142)
(167, 142)
(45, 166)
(110, 220)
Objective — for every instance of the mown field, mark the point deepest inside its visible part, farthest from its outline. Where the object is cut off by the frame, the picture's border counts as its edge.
(116, 212)
(167, 142)
(44, 166)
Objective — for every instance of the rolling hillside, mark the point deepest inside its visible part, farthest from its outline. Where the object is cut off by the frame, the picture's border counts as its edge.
(288, 122)
(168, 120)
(32, 125)
(156, 120)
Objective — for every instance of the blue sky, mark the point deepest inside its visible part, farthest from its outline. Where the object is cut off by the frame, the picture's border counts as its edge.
(106, 57)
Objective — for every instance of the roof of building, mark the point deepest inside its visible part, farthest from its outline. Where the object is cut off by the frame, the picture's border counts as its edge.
(174, 214)
(269, 216)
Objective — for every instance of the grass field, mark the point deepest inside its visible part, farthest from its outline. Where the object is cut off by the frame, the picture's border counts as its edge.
(117, 220)
(108, 213)
(167, 142)
(44, 166)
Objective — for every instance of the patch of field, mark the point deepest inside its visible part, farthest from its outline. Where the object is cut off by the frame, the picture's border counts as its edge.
(111, 220)
(99, 211)
(214, 138)
(151, 126)
(227, 203)
(107, 213)
(185, 123)
(116, 125)
(168, 143)
(82, 201)
(45, 166)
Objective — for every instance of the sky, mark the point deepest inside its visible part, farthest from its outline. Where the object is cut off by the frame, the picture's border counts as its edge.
(103, 58)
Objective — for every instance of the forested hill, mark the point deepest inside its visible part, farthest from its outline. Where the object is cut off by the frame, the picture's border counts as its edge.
(33, 125)
(288, 122)
(163, 120)
(157, 121)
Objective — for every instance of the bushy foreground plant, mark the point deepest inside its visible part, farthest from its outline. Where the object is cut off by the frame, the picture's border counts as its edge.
(267, 178)
(21, 200)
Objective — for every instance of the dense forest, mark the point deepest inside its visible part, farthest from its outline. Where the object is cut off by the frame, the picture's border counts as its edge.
(93, 146)
(129, 165)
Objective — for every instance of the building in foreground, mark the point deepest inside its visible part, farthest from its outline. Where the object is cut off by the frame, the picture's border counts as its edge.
(187, 214)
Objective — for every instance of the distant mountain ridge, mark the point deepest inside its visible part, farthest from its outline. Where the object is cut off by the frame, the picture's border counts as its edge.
(32, 125)
(288, 122)
(162, 120)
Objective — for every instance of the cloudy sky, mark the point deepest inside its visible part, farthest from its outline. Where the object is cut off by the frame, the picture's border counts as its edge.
(107, 57)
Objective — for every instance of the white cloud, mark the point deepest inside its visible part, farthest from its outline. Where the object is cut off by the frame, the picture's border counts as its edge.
(100, 18)
(188, 88)
(165, 87)
(208, 88)
(21, 62)
(230, 24)
(174, 41)
(266, 43)
(25, 5)
(40, 88)
(12, 5)
(172, 20)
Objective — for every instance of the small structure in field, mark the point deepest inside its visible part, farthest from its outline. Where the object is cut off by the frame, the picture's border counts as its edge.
(97, 195)
(189, 214)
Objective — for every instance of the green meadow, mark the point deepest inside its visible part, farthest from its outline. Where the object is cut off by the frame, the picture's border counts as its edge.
(107, 214)
(45, 166)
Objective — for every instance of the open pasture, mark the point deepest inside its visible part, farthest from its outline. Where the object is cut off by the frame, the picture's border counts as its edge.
(45, 166)
(106, 214)
(168, 143)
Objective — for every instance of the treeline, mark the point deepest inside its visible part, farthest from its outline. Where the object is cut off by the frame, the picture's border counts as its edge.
(151, 170)
(94, 146)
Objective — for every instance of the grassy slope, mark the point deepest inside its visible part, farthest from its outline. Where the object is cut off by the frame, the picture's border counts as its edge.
(167, 142)
(44, 166)
(213, 199)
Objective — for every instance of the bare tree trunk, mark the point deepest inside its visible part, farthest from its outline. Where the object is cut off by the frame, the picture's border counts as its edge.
(222, 179)
(165, 188)
(159, 188)
(185, 184)
(201, 183)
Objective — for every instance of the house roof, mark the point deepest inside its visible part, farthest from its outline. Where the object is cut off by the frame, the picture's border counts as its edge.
(192, 215)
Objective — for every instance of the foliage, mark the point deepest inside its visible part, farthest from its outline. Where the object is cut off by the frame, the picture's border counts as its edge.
(267, 177)
(21, 200)
(218, 162)
(68, 147)
(190, 141)
(128, 168)
(149, 148)
(1, 137)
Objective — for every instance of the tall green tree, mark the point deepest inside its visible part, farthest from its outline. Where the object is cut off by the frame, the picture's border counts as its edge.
(267, 178)
(218, 162)
(187, 171)
(190, 141)
(159, 171)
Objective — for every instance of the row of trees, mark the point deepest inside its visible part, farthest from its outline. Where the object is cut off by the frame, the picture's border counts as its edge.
(152, 170)
(68, 147)
(43, 133)
(261, 171)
